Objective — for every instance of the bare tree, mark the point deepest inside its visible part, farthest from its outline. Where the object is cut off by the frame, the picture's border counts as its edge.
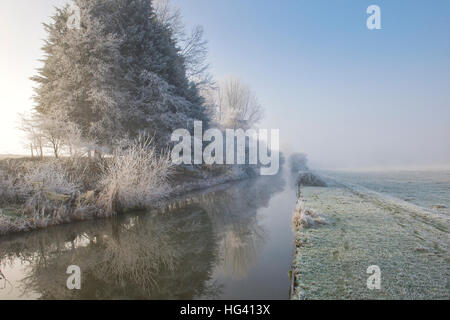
(171, 17)
(75, 143)
(32, 130)
(195, 53)
(235, 105)
(53, 130)
(193, 46)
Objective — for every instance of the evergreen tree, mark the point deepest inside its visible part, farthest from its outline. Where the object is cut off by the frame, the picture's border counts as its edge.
(120, 73)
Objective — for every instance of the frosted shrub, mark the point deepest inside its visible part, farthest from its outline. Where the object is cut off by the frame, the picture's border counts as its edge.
(306, 218)
(135, 176)
(24, 180)
(8, 191)
(46, 186)
(49, 177)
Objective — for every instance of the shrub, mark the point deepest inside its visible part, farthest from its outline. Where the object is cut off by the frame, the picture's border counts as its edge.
(306, 218)
(8, 192)
(49, 177)
(135, 176)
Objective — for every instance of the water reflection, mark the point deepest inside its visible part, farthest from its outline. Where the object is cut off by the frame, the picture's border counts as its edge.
(173, 253)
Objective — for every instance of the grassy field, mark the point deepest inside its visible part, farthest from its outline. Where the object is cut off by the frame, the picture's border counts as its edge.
(412, 249)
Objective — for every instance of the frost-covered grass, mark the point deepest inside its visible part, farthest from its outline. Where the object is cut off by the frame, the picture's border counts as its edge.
(40, 194)
(36, 194)
(331, 260)
(49, 177)
(21, 177)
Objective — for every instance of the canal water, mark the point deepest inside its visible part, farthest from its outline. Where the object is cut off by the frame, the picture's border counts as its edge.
(230, 242)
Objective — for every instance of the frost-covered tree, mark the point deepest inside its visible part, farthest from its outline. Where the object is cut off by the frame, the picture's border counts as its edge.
(52, 131)
(77, 78)
(160, 86)
(234, 105)
(192, 45)
(118, 74)
(195, 53)
(33, 134)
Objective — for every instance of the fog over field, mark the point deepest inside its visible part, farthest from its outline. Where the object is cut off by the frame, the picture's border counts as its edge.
(346, 96)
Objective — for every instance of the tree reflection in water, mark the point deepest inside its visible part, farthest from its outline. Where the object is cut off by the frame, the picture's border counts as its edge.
(170, 255)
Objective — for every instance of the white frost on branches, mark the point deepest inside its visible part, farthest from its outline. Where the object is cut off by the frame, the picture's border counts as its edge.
(234, 105)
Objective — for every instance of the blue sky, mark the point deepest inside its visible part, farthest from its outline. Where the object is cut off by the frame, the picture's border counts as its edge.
(347, 96)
